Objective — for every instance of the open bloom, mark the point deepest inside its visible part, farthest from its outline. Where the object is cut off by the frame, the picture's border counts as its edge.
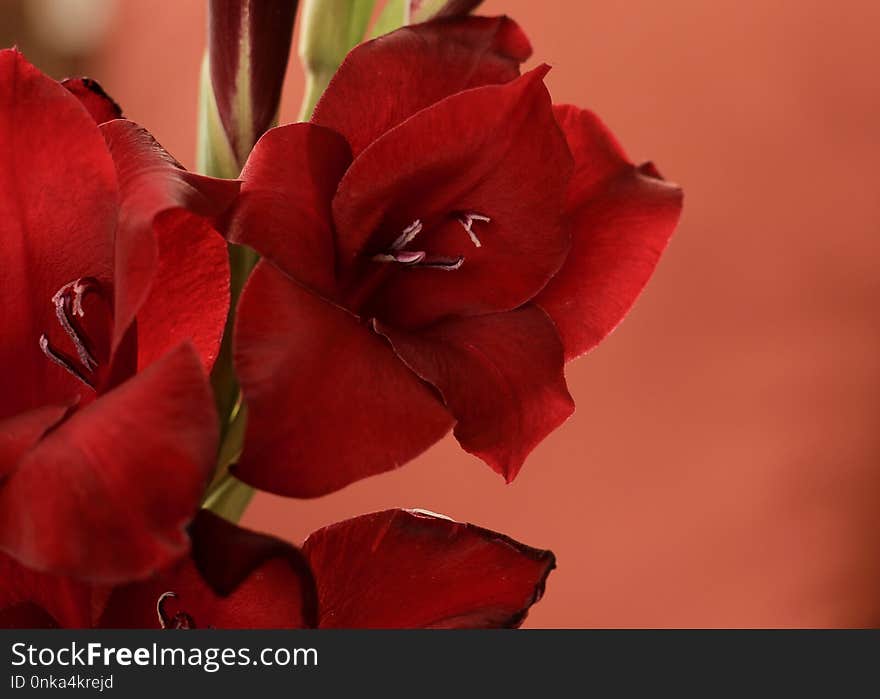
(436, 243)
(392, 569)
(115, 290)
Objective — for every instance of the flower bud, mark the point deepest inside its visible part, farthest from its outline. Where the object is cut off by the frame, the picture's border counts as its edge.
(248, 49)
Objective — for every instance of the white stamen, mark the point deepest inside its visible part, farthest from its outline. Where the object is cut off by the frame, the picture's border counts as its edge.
(405, 238)
(403, 257)
(467, 222)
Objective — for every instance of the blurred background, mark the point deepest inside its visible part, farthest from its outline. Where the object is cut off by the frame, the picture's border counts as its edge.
(723, 465)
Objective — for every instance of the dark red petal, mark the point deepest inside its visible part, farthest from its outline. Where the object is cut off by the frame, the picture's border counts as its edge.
(328, 401)
(155, 260)
(383, 82)
(58, 207)
(20, 432)
(621, 217)
(106, 495)
(501, 376)
(235, 579)
(29, 599)
(248, 45)
(411, 569)
(99, 104)
(496, 151)
(284, 208)
(189, 296)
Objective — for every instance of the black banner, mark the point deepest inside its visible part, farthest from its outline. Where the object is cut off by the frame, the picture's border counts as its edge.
(410, 663)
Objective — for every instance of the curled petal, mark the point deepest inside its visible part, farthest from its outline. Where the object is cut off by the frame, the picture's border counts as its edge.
(328, 401)
(107, 494)
(151, 182)
(501, 376)
(412, 569)
(20, 432)
(621, 217)
(383, 82)
(284, 208)
(99, 104)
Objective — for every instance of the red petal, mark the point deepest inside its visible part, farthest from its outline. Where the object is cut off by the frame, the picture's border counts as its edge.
(328, 401)
(410, 569)
(251, 36)
(20, 432)
(155, 260)
(36, 600)
(99, 104)
(284, 208)
(501, 376)
(58, 207)
(258, 581)
(383, 82)
(495, 151)
(106, 495)
(621, 218)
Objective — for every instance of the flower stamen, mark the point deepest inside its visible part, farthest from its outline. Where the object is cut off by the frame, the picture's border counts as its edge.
(68, 303)
(181, 620)
(467, 222)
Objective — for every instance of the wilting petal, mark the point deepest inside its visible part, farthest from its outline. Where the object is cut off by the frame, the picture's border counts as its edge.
(284, 208)
(106, 495)
(147, 259)
(501, 376)
(248, 48)
(328, 401)
(494, 151)
(383, 82)
(20, 432)
(58, 207)
(410, 569)
(99, 104)
(621, 218)
(32, 600)
(235, 579)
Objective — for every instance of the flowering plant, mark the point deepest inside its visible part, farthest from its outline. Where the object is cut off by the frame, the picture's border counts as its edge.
(423, 252)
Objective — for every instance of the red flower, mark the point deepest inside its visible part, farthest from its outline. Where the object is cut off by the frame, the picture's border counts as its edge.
(392, 569)
(115, 291)
(428, 240)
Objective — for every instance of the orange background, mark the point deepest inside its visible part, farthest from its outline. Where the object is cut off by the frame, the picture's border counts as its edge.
(723, 465)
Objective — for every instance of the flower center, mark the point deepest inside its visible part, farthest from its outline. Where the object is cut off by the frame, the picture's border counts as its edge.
(70, 311)
(397, 252)
(180, 620)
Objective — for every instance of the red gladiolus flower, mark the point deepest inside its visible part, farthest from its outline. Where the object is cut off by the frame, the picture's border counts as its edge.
(392, 569)
(115, 291)
(437, 242)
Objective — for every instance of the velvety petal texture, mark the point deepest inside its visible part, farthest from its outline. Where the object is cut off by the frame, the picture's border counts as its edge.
(58, 212)
(284, 208)
(417, 66)
(501, 376)
(108, 493)
(328, 400)
(621, 218)
(413, 569)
